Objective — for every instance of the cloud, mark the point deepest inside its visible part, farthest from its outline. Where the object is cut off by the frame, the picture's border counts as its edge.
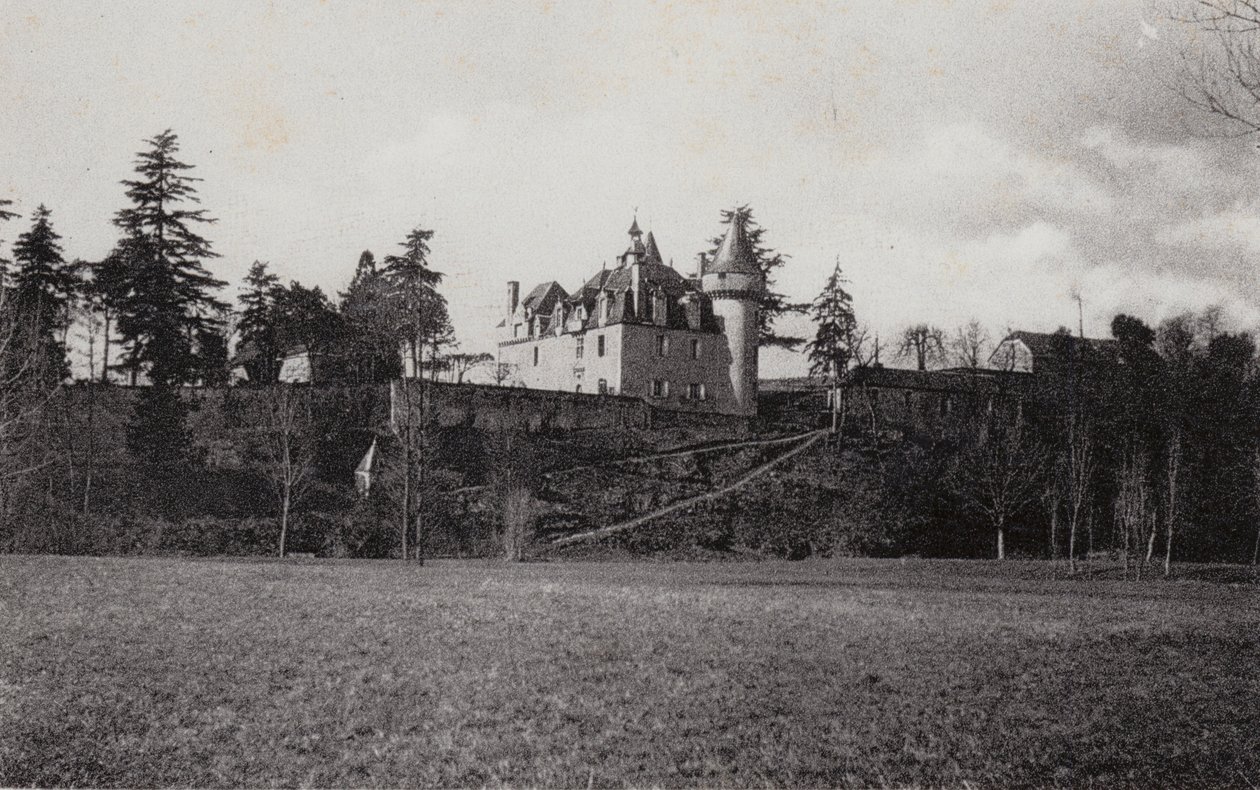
(1234, 228)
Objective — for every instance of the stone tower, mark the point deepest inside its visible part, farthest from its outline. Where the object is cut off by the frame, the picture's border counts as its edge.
(735, 284)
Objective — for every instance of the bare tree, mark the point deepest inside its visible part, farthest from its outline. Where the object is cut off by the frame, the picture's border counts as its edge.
(406, 481)
(1135, 512)
(923, 344)
(1002, 476)
(26, 390)
(462, 363)
(1172, 488)
(504, 374)
(288, 448)
(865, 348)
(1221, 65)
(969, 344)
(1080, 475)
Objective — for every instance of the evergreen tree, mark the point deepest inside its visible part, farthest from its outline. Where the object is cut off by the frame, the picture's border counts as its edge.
(831, 350)
(370, 351)
(45, 285)
(5, 215)
(258, 325)
(304, 317)
(773, 305)
(417, 310)
(168, 298)
(212, 357)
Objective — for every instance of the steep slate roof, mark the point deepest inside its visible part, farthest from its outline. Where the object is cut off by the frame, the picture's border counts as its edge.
(650, 252)
(735, 255)
(654, 274)
(658, 274)
(544, 297)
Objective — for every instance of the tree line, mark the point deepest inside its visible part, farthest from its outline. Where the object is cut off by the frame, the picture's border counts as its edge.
(152, 310)
(1147, 449)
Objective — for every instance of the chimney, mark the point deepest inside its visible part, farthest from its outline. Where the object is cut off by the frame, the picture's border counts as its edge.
(514, 295)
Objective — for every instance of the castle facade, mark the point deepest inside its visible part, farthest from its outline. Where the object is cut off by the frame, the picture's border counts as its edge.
(644, 330)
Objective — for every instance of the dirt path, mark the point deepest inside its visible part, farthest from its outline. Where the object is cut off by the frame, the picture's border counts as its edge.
(659, 456)
(810, 439)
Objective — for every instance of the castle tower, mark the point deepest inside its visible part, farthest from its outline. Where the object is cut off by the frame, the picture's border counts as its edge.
(734, 284)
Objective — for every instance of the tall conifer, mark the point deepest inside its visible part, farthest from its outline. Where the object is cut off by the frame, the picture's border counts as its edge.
(831, 350)
(44, 281)
(169, 300)
(419, 311)
(257, 326)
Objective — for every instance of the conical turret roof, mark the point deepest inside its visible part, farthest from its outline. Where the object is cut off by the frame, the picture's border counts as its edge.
(735, 253)
(634, 228)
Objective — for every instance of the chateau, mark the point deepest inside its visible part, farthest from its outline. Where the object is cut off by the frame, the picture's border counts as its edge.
(644, 330)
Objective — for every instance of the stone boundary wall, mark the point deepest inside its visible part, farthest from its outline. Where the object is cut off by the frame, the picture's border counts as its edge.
(538, 411)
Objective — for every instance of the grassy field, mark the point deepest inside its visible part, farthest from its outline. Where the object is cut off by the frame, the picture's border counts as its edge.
(170, 672)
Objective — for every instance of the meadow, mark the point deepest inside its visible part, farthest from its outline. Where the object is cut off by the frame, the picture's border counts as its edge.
(173, 672)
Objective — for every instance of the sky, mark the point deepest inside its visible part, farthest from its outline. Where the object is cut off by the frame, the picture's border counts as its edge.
(958, 160)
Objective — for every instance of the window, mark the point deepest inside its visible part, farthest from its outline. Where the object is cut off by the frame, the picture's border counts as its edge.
(660, 388)
(603, 384)
(662, 345)
(947, 405)
(599, 342)
(581, 345)
(516, 330)
(907, 397)
(578, 389)
(535, 356)
(695, 391)
(695, 348)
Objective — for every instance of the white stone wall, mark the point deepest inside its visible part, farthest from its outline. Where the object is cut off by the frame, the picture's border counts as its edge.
(558, 367)
(632, 361)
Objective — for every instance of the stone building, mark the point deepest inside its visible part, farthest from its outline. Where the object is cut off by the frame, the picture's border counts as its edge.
(642, 329)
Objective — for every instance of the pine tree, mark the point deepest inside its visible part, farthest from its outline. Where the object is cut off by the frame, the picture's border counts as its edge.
(418, 311)
(835, 342)
(831, 350)
(45, 283)
(168, 300)
(258, 324)
(773, 305)
(5, 215)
